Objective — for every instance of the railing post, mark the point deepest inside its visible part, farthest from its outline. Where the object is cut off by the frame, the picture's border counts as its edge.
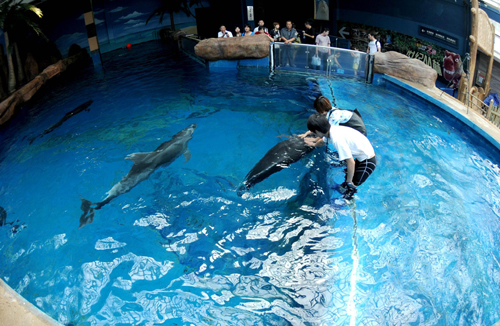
(271, 56)
(490, 107)
(369, 68)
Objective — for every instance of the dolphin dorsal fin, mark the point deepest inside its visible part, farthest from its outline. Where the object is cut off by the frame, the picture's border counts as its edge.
(136, 157)
(187, 155)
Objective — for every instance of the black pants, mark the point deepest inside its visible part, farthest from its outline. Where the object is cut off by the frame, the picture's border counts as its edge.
(286, 54)
(363, 169)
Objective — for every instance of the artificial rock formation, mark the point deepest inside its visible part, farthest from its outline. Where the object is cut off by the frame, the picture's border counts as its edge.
(9, 106)
(398, 65)
(233, 48)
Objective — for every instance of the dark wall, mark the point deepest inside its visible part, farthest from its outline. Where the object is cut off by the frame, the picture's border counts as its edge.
(279, 11)
(405, 17)
(227, 13)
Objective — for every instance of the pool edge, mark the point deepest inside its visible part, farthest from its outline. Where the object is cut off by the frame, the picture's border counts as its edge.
(449, 104)
(17, 311)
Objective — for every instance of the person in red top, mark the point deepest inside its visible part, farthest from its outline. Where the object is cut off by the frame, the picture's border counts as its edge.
(262, 30)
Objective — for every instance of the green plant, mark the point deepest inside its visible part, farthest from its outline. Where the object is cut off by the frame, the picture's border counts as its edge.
(13, 15)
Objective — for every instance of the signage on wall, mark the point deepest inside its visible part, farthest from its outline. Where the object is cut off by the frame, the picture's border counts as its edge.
(444, 60)
(250, 13)
(434, 34)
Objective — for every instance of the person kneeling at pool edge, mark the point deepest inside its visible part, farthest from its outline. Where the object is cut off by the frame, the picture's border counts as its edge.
(352, 147)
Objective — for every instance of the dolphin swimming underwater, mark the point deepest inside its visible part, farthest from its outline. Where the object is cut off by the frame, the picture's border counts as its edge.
(78, 109)
(144, 165)
(276, 159)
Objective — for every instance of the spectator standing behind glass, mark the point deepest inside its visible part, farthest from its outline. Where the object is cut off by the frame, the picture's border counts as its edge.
(308, 33)
(373, 45)
(248, 30)
(276, 35)
(335, 61)
(261, 23)
(356, 60)
(323, 40)
(263, 31)
(275, 32)
(288, 36)
(237, 32)
(224, 33)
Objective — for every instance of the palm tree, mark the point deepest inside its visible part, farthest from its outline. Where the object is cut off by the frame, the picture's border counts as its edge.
(170, 6)
(174, 6)
(13, 14)
(188, 4)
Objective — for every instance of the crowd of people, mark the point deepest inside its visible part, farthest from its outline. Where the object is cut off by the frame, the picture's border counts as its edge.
(322, 58)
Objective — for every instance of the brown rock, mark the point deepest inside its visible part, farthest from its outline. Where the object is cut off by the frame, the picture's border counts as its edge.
(398, 65)
(9, 106)
(234, 48)
(27, 91)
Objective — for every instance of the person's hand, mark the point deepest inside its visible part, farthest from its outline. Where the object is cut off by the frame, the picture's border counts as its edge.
(302, 135)
(310, 141)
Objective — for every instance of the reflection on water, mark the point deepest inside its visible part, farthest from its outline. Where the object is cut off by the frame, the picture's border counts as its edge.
(419, 245)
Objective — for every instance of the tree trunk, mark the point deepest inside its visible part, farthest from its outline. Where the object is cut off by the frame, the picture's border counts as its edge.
(20, 65)
(11, 87)
(172, 23)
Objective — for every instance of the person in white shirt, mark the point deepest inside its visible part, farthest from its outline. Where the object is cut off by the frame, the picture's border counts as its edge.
(352, 146)
(261, 23)
(323, 40)
(224, 33)
(374, 44)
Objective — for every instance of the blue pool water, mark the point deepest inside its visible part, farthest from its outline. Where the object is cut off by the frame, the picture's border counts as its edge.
(419, 246)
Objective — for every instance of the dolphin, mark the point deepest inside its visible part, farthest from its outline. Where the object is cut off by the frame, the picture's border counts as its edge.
(78, 109)
(3, 216)
(144, 165)
(276, 159)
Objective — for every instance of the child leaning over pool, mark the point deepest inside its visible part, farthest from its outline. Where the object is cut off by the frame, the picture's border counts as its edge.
(338, 117)
(352, 146)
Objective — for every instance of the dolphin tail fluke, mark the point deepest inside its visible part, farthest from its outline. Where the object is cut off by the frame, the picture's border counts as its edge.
(242, 189)
(88, 213)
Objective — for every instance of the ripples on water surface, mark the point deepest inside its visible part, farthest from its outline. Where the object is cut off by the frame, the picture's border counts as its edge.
(420, 246)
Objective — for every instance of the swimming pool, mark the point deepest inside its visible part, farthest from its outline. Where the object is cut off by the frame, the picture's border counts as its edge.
(419, 246)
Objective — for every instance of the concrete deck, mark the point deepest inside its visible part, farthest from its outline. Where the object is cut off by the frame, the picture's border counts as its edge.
(17, 311)
(451, 105)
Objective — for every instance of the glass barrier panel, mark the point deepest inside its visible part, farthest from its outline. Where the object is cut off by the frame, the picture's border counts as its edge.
(319, 59)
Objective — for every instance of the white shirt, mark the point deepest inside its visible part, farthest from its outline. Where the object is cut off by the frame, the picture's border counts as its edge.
(256, 29)
(229, 34)
(350, 143)
(322, 40)
(374, 46)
